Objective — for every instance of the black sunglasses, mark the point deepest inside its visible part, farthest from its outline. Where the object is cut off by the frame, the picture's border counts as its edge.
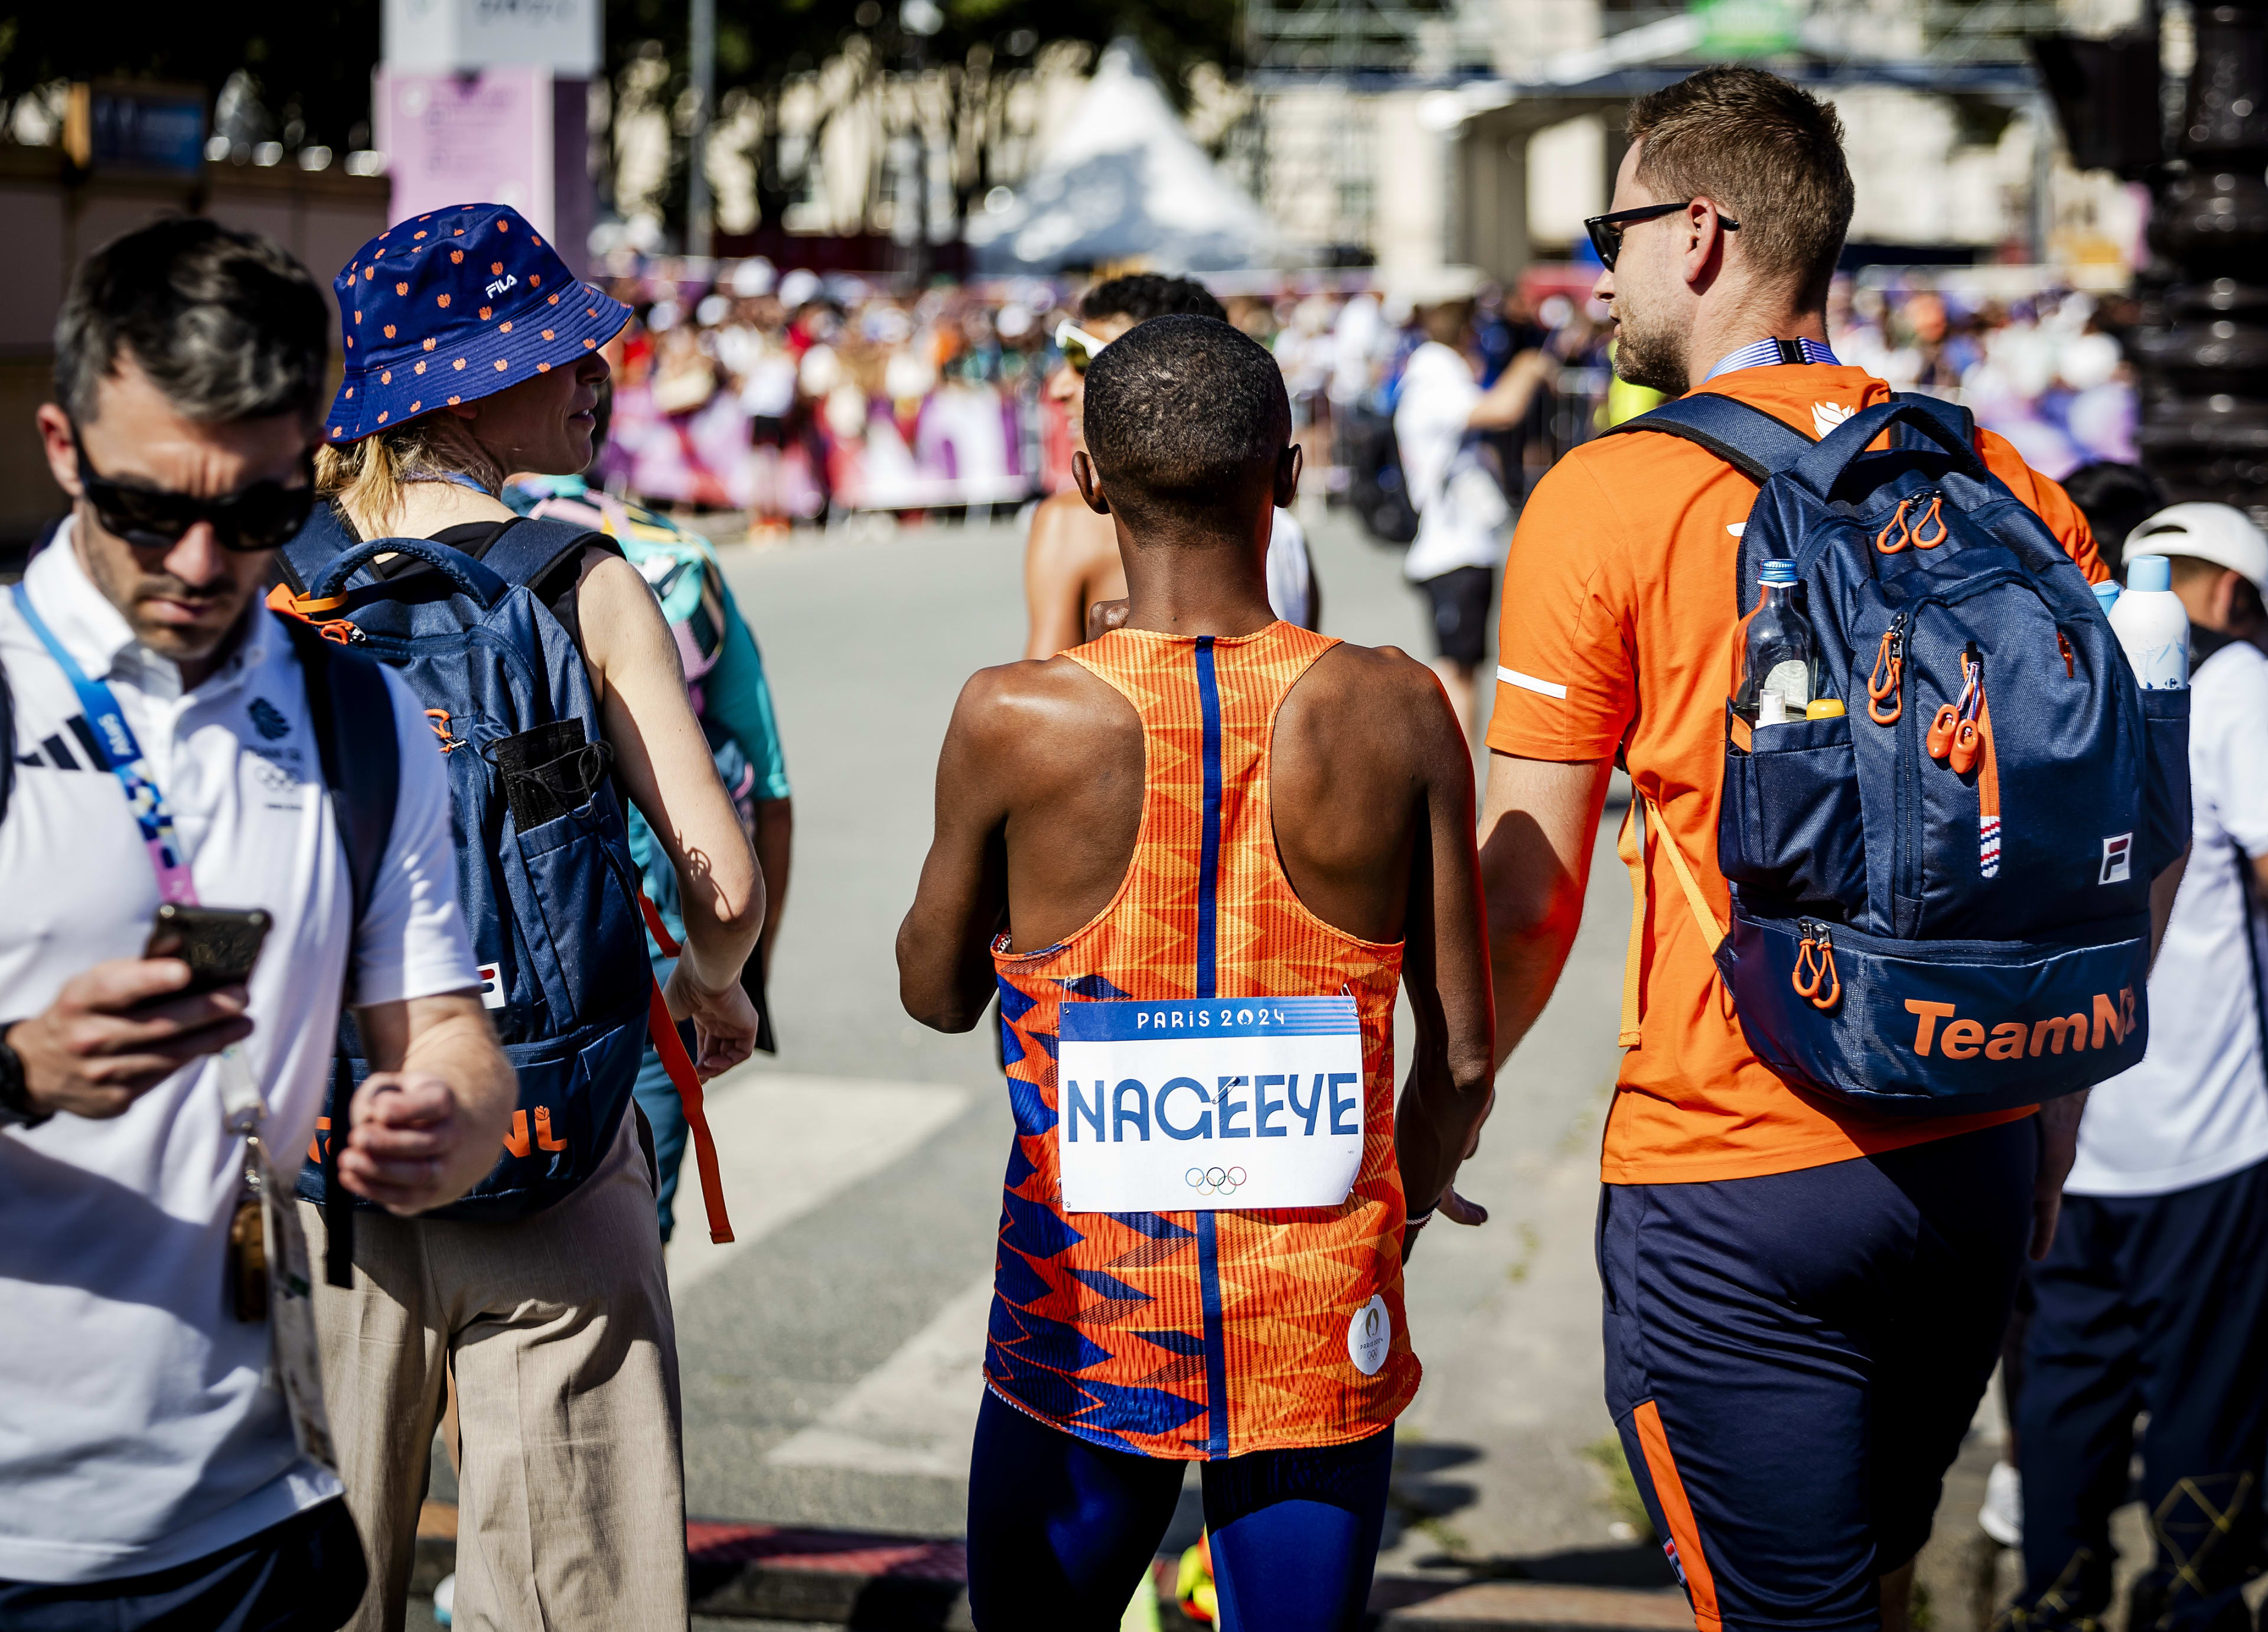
(255, 519)
(1607, 231)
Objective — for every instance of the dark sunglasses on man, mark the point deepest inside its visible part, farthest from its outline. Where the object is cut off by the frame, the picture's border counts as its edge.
(1607, 231)
(249, 520)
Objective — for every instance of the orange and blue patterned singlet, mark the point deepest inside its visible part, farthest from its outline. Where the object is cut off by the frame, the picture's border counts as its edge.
(1197, 1335)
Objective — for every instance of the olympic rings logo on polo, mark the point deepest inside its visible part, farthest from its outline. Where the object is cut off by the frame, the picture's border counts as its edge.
(1215, 1181)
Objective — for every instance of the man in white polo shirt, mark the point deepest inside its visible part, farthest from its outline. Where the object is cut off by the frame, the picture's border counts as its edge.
(159, 1454)
(2154, 1297)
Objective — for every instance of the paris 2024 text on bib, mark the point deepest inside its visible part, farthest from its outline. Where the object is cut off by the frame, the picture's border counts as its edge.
(1207, 1103)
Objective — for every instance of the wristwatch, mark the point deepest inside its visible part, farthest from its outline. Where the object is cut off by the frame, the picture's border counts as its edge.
(16, 1107)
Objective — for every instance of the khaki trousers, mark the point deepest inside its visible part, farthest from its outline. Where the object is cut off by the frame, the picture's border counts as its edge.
(557, 1333)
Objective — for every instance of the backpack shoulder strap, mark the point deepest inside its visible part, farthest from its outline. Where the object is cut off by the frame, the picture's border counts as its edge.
(314, 546)
(1751, 441)
(528, 552)
(1642, 820)
(355, 743)
(355, 739)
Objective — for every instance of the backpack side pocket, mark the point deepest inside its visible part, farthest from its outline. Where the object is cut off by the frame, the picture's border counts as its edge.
(2167, 815)
(1790, 824)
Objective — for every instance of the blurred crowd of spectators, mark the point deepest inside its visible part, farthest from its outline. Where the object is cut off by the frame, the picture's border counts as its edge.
(797, 398)
(2042, 369)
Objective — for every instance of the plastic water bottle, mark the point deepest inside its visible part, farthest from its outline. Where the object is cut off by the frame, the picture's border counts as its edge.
(2106, 595)
(1779, 664)
(2152, 625)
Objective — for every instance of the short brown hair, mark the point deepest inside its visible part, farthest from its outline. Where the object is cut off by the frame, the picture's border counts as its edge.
(1768, 153)
(226, 325)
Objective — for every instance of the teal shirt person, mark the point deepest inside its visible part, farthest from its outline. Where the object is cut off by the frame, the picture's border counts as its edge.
(732, 699)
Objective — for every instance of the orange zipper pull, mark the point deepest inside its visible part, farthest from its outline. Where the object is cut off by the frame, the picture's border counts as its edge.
(1906, 534)
(1826, 1001)
(1936, 509)
(1882, 682)
(1939, 742)
(1805, 965)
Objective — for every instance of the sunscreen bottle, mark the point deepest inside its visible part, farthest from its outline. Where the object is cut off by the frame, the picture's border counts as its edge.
(2152, 625)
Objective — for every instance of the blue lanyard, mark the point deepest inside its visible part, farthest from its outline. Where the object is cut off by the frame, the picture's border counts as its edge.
(123, 760)
(1761, 352)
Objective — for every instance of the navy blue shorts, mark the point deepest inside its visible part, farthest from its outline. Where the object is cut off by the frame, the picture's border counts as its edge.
(1060, 1531)
(305, 1574)
(2157, 1304)
(1792, 1360)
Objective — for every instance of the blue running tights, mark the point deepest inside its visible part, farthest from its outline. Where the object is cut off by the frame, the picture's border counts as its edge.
(1060, 1531)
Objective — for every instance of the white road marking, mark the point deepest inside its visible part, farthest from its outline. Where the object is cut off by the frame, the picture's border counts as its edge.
(785, 1145)
(915, 1413)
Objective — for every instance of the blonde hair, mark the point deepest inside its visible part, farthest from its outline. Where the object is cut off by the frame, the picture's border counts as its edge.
(365, 478)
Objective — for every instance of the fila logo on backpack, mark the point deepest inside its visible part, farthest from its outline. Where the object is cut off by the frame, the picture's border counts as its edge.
(1941, 898)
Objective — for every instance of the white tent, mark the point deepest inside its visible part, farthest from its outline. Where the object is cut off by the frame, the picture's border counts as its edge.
(1122, 180)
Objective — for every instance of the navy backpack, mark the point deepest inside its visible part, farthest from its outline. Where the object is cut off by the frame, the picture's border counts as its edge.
(543, 868)
(1941, 896)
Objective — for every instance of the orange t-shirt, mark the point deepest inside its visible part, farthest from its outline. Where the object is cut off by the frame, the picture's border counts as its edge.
(1617, 633)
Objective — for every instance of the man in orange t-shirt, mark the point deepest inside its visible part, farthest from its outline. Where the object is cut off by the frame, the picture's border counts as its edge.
(1803, 1299)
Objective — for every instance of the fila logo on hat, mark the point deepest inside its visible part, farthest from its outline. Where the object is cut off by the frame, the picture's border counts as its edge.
(456, 288)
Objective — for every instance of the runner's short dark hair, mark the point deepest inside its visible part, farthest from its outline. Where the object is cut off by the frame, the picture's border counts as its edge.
(1146, 295)
(1765, 151)
(227, 324)
(1183, 412)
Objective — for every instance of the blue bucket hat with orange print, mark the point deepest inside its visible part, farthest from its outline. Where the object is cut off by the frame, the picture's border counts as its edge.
(456, 305)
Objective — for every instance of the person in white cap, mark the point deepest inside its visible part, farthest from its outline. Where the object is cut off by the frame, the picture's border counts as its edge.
(1464, 514)
(2154, 1297)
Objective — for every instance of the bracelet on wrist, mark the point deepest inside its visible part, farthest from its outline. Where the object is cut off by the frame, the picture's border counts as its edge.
(1418, 1221)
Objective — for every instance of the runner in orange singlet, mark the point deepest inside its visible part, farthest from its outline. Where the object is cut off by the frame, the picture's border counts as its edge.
(1198, 856)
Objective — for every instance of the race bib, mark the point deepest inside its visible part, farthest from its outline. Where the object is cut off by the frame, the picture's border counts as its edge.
(1209, 1104)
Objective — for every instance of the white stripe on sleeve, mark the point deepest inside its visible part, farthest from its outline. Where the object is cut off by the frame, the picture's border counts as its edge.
(1528, 682)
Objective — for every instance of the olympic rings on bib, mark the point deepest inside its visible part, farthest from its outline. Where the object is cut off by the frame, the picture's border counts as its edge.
(1215, 1181)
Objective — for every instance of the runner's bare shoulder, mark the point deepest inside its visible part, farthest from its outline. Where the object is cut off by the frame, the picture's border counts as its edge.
(1375, 703)
(1365, 745)
(1044, 720)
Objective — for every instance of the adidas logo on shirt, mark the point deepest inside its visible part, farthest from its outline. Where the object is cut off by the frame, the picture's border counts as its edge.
(55, 754)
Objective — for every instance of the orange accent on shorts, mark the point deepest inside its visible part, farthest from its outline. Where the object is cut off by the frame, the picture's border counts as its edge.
(1669, 1491)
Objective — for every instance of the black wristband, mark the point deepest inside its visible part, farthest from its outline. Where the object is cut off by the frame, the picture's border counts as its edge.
(16, 1107)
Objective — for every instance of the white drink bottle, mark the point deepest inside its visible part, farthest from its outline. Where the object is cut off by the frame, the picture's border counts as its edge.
(2152, 625)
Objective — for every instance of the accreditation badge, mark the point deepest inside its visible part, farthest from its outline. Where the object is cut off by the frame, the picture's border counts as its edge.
(1209, 1104)
(294, 1352)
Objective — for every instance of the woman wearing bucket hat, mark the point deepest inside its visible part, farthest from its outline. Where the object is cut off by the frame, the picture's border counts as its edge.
(473, 353)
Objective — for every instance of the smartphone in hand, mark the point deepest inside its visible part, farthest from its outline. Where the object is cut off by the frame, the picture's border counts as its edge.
(219, 943)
